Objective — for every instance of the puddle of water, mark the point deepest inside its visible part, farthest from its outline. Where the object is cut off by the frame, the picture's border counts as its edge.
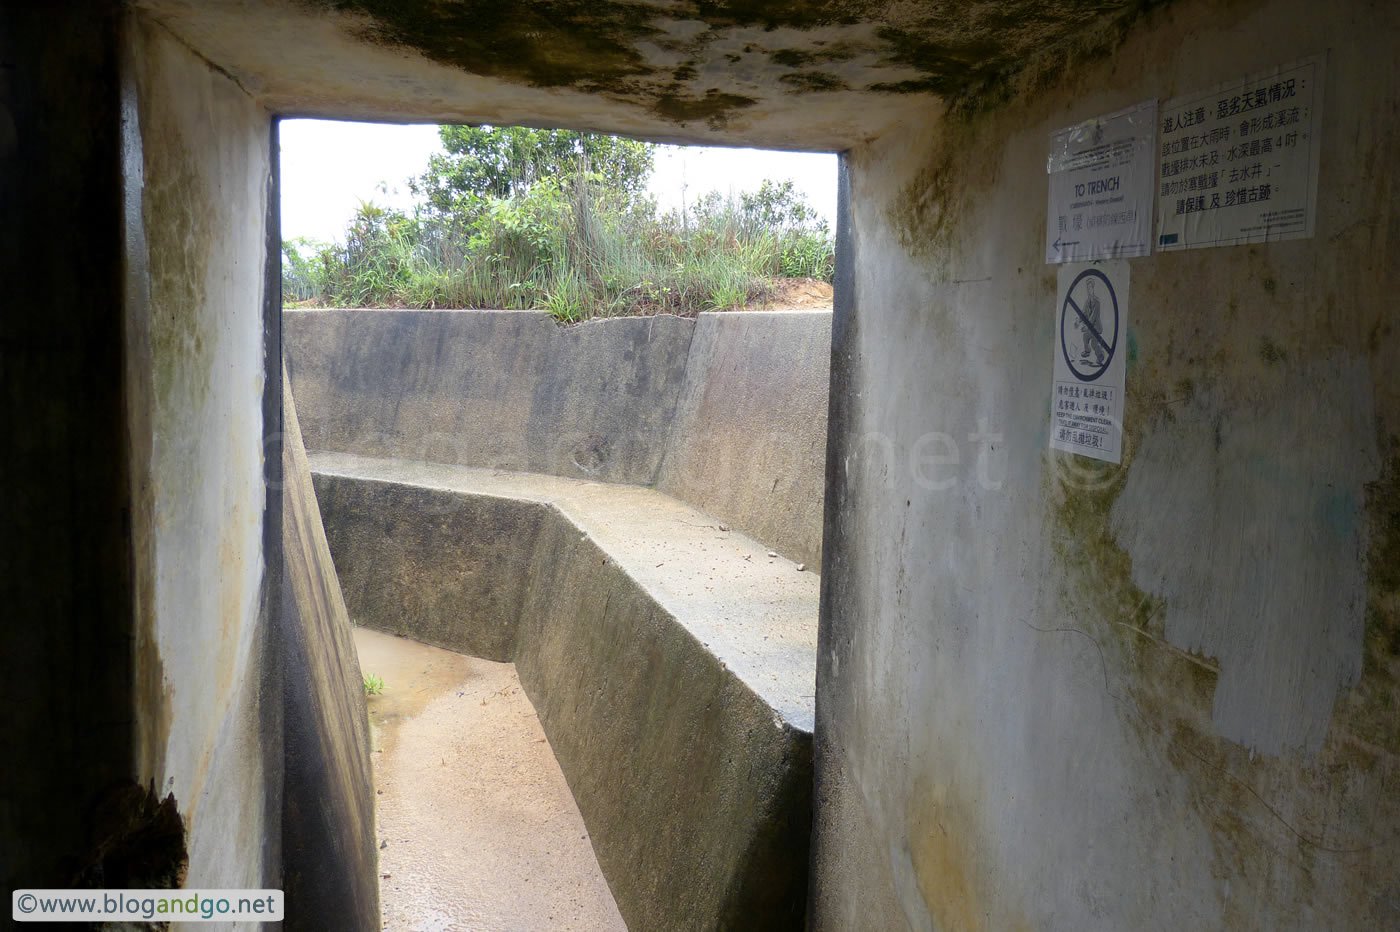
(413, 674)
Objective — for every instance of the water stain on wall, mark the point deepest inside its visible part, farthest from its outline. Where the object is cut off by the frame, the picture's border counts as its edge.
(944, 849)
(1316, 808)
(1259, 554)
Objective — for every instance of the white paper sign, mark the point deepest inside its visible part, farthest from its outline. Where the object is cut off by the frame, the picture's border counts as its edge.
(1101, 175)
(1091, 341)
(1238, 164)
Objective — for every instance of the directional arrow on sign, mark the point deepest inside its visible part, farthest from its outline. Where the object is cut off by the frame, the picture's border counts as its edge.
(1060, 247)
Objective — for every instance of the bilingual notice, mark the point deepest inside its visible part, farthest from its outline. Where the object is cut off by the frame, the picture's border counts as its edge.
(1101, 173)
(1091, 315)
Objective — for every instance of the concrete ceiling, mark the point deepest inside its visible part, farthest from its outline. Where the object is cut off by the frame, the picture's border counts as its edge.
(808, 74)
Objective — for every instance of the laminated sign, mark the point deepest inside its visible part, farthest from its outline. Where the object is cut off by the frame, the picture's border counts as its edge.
(1238, 163)
(1101, 173)
(1086, 403)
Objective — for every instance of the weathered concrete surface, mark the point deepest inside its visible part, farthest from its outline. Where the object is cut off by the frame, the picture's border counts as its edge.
(820, 75)
(206, 711)
(697, 794)
(727, 412)
(1161, 695)
(672, 666)
(428, 564)
(328, 838)
(479, 829)
(748, 443)
(500, 389)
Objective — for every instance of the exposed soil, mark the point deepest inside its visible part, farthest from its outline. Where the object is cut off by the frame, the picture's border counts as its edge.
(798, 294)
(477, 828)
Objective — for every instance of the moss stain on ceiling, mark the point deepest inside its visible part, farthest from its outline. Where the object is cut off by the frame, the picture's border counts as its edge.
(951, 49)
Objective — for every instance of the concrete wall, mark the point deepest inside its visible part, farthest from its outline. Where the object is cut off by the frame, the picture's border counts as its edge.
(430, 564)
(142, 636)
(1061, 695)
(501, 389)
(246, 689)
(696, 793)
(199, 172)
(748, 444)
(329, 852)
(727, 412)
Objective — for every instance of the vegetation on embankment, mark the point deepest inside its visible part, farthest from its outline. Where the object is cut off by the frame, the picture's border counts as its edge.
(520, 218)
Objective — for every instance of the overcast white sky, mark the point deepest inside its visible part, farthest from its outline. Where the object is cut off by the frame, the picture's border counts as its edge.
(328, 168)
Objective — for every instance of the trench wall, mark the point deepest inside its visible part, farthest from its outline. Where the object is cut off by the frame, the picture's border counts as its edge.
(1162, 694)
(329, 845)
(748, 442)
(727, 412)
(697, 792)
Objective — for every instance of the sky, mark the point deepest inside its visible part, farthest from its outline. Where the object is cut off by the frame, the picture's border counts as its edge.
(328, 168)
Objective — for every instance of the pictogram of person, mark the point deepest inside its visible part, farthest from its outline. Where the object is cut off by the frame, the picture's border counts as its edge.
(1092, 326)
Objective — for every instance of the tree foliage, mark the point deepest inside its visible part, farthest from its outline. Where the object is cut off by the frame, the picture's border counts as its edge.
(499, 162)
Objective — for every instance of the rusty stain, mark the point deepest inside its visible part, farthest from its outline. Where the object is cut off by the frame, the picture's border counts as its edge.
(945, 849)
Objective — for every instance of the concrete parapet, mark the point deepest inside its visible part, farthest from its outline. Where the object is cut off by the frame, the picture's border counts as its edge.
(672, 665)
(498, 389)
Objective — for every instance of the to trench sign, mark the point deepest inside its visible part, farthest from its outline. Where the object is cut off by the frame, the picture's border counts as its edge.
(1089, 325)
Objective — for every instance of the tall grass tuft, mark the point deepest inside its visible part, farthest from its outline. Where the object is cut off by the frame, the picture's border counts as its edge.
(568, 245)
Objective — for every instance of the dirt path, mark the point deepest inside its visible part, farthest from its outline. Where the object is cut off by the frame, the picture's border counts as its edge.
(477, 828)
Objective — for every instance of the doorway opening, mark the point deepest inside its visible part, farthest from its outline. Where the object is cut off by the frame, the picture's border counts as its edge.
(570, 489)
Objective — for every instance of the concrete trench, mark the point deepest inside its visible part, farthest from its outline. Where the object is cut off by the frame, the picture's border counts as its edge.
(476, 826)
(668, 659)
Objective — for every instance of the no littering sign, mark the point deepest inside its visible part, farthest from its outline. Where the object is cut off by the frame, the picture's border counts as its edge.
(1086, 410)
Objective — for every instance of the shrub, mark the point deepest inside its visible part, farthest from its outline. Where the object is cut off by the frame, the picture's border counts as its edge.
(563, 237)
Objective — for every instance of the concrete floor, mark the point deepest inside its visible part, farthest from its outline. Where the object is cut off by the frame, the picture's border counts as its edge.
(477, 829)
